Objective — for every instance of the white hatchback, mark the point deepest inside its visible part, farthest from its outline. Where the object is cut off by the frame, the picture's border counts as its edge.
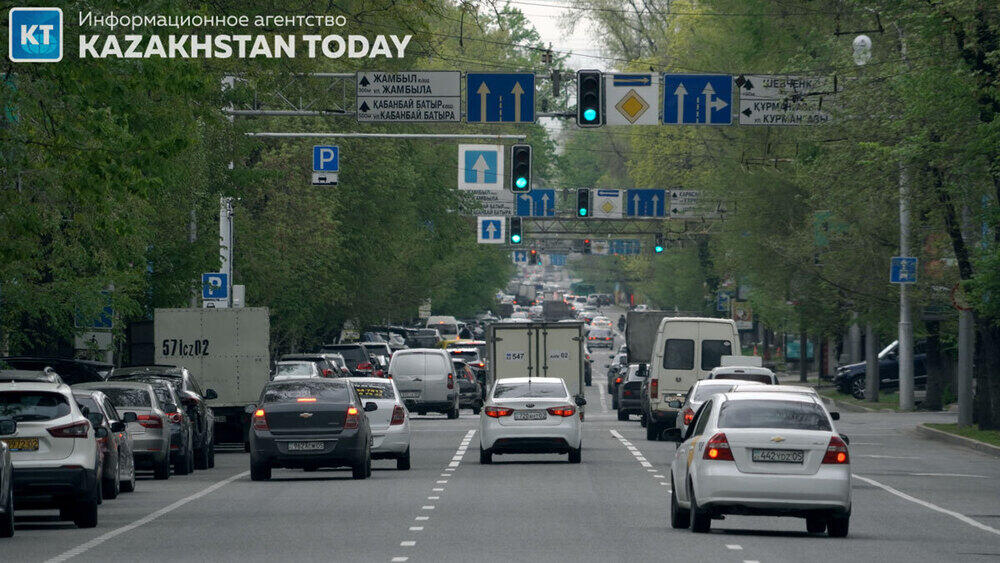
(531, 416)
(390, 421)
(774, 454)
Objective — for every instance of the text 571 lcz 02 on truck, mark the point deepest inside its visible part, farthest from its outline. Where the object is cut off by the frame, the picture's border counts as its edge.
(227, 349)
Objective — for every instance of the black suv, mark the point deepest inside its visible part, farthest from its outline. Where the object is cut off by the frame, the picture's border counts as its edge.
(359, 361)
(850, 378)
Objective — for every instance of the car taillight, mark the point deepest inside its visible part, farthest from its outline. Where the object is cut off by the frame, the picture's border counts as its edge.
(591, 337)
(688, 415)
(717, 448)
(497, 412)
(306, 400)
(654, 388)
(351, 421)
(378, 373)
(398, 416)
(149, 421)
(565, 410)
(618, 380)
(836, 452)
(259, 420)
(364, 366)
(176, 417)
(74, 430)
(481, 364)
(451, 381)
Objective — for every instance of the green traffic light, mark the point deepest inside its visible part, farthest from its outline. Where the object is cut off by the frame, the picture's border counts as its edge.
(658, 249)
(590, 114)
(583, 212)
(515, 238)
(521, 182)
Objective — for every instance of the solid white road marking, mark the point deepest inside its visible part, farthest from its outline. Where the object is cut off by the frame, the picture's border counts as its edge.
(400, 559)
(603, 394)
(947, 475)
(932, 506)
(734, 547)
(82, 548)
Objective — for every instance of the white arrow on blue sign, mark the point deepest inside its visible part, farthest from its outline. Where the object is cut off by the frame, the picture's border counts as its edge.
(645, 203)
(537, 203)
(698, 99)
(500, 98)
(490, 230)
(215, 285)
(480, 167)
(903, 269)
(520, 256)
(326, 158)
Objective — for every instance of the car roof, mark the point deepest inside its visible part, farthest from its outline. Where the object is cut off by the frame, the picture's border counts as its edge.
(742, 369)
(420, 350)
(721, 381)
(766, 396)
(98, 385)
(35, 386)
(47, 375)
(530, 380)
(163, 370)
(748, 386)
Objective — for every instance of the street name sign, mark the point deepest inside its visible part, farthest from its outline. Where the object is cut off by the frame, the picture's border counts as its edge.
(500, 98)
(409, 96)
(493, 202)
(697, 99)
(480, 167)
(490, 230)
(645, 203)
(683, 203)
(903, 269)
(536, 203)
(780, 100)
(607, 204)
(769, 86)
(782, 112)
(632, 99)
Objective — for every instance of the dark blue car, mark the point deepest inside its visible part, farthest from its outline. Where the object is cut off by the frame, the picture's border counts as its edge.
(850, 378)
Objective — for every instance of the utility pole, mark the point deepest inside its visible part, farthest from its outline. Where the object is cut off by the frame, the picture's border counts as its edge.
(226, 243)
(871, 364)
(192, 238)
(905, 321)
(855, 334)
(966, 345)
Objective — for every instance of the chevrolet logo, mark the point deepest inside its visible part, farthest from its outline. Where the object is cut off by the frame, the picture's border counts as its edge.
(306, 414)
(777, 439)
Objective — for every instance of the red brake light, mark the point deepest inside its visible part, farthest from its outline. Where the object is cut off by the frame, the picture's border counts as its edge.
(451, 381)
(73, 430)
(688, 415)
(351, 421)
(259, 422)
(497, 412)
(836, 452)
(618, 380)
(654, 388)
(306, 400)
(398, 416)
(365, 366)
(565, 410)
(717, 448)
(149, 421)
(327, 372)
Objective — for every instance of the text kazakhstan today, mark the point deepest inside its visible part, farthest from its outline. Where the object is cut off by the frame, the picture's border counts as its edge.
(224, 46)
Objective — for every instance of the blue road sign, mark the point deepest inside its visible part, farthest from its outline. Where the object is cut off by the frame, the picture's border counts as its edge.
(536, 203)
(722, 301)
(482, 167)
(645, 203)
(36, 35)
(698, 99)
(215, 285)
(326, 159)
(557, 259)
(490, 229)
(623, 246)
(520, 256)
(903, 269)
(500, 98)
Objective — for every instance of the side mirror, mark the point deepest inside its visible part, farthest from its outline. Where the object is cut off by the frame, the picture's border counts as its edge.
(672, 434)
(101, 432)
(211, 394)
(129, 417)
(580, 400)
(170, 408)
(835, 415)
(845, 439)
(117, 426)
(8, 427)
(675, 404)
(370, 406)
(250, 409)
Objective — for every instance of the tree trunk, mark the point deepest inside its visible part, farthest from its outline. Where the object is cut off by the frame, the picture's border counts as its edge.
(987, 369)
(871, 364)
(936, 368)
(803, 362)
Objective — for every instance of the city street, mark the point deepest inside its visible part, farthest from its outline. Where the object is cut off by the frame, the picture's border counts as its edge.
(914, 499)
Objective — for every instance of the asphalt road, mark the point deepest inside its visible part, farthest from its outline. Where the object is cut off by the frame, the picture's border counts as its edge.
(914, 500)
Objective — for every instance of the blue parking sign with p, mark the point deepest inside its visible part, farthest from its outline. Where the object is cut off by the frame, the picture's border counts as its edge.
(215, 285)
(326, 158)
(35, 35)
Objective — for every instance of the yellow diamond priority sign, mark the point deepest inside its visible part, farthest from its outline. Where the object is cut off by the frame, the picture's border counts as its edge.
(632, 106)
(634, 97)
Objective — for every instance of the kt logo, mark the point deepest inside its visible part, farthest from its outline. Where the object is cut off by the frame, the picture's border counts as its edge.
(36, 35)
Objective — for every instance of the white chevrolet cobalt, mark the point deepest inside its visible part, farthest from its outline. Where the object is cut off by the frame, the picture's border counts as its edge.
(774, 454)
(530, 416)
(390, 421)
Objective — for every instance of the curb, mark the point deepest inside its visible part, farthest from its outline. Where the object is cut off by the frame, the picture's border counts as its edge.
(956, 440)
(848, 407)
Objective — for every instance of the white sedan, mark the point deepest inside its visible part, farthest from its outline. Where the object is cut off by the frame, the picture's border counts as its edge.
(390, 422)
(774, 454)
(531, 416)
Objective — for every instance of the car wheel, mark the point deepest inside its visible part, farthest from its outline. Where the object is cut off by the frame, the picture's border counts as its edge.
(815, 525)
(614, 401)
(403, 461)
(838, 526)
(642, 421)
(66, 512)
(485, 456)
(453, 413)
(181, 466)
(85, 513)
(477, 409)
(576, 455)
(128, 485)
(622, 415)
(858, 387)
(211, 455)
(201, 458)
(680, 518)
(111, 487)
(259, 470)
(162, 469)
(360, 469)
(652, 431)
(701, 521)
(7, 518)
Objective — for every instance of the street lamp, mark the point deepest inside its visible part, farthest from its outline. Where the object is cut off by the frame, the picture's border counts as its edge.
(862, 50)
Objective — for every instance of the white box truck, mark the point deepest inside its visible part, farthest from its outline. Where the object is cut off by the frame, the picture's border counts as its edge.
(227, 350)
(537, 350)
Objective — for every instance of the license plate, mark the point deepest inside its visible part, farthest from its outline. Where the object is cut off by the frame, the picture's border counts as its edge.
(21, 444)
(410, 394)
(777, 456)
(304, 446)
(529, 415)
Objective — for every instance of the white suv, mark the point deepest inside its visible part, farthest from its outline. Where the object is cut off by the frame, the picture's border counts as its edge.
(54, 449)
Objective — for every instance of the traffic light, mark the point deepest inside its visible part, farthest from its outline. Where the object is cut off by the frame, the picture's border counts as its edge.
(520, 168)
(586, 246)
(515, 230)
(658, 245)
(589, 98)
(533, 257)
(583, 202)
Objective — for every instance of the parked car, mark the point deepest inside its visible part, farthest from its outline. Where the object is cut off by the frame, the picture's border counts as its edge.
(177, 422)
(627, 396)
(7, 427)
(309, 424)
(426, 380)
(850, 378)
(193, 401)
(470, 392)
(390, 422)
(744, 373)
(150, 431)
(358, 359)
(54, 450)
(531, 415)
(116, 447)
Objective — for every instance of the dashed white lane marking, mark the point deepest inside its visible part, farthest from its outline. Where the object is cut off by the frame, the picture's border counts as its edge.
(932, 506)
(455, 464)
(734, 547)
(659, 477)
(431, 507)
(422, 518)
(433, 498)
(442, 482)
(410, 543)
(437, 489)
(400, 559)
(602, 389)
(750, 561)
(82, 548)
(416, 528)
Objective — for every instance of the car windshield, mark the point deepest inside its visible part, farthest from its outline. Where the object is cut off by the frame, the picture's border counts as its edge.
(353, 355)
(785, 415)
(374, 390)
(755, 377)
(33, 405)
(329, 391)
(120, 397)
(304, 369)
(526, 389)
(703, 392)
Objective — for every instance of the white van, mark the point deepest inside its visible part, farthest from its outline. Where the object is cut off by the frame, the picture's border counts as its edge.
(426, 381)
(445, 324)
(686, 350)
